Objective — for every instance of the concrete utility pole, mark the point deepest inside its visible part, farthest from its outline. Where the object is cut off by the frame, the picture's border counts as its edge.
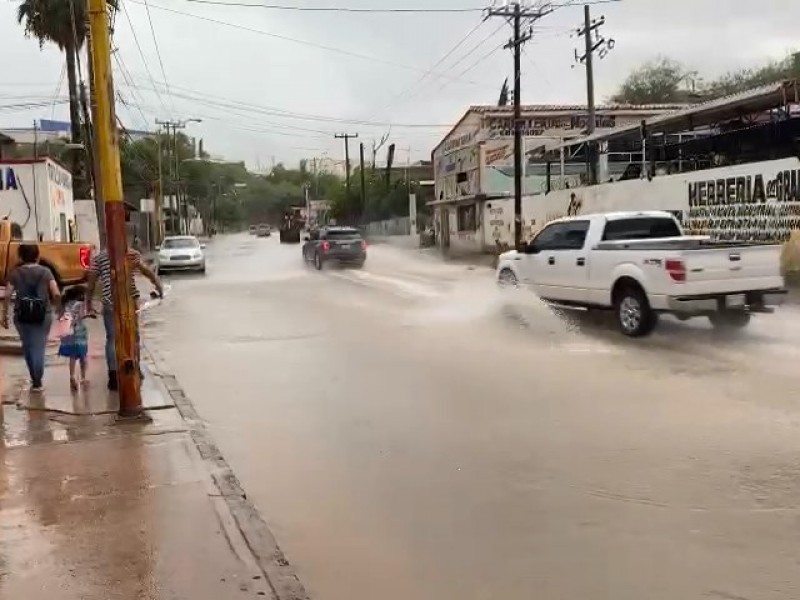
(590, 47)
(346, 137)
(515, 13)
(130, 397)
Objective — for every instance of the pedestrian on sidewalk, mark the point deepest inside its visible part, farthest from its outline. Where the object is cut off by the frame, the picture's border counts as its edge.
(75, 345)
(101, 270)
(36, 294)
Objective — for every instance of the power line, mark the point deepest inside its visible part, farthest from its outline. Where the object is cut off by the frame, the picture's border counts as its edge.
(351, 9)
(294, 40)
(226, 103)
(58, 89)
(409, 91)
(126, 76)
(343, 9)
(158, 50)
(144, 60)
(474, 64)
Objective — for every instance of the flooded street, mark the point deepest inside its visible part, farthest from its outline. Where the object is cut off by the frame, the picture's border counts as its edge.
(411, 431)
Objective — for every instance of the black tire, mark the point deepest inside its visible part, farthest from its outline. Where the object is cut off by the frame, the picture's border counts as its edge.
(507, 278)
(318, 262)
(730, 319)
(632, 310)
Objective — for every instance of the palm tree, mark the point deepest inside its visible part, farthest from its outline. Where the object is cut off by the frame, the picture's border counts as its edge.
(62, 22)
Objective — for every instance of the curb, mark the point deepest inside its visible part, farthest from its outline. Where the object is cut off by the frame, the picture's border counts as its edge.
(279, 574)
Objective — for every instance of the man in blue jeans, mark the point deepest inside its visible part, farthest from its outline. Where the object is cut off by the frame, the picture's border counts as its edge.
(101, 269)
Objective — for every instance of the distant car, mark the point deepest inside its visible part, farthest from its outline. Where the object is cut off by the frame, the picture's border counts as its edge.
(343, 245)
(253, 229)
(181, 253)
(264, 230)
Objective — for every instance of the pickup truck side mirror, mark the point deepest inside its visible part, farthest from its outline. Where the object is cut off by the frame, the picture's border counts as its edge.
(530, 248)
(307, 238)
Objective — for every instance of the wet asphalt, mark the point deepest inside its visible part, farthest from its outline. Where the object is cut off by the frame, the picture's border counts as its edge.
(411, 431)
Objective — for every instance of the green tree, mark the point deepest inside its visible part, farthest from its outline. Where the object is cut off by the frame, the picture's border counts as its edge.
(63, 23)
(655, 82)
(745, 79)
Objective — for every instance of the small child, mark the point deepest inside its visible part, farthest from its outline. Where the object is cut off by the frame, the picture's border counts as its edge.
(75, 345)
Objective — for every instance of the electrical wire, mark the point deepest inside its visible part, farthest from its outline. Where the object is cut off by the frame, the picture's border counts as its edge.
(123, 70)
(158, 51)
(349, 9)
(293, 40)
(144, 60)
(409, 90)
(57, 90)
(226, 103)
(342, 9)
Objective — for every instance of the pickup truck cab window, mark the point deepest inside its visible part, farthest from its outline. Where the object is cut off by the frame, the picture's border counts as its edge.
(641, 228)
(569, 235)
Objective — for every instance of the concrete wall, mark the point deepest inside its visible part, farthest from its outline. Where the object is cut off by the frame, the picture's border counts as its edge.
(396, 226)
(752, 202)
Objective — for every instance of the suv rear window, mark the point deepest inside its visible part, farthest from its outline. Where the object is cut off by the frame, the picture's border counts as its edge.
(343, 234)
(640, 228)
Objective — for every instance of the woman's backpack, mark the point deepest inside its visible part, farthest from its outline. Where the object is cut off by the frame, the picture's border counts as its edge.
(31, 307)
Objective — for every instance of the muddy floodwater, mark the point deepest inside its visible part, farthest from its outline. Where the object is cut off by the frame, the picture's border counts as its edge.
(411, 431)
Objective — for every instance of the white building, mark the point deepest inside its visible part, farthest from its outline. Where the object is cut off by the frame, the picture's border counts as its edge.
(474, 165)
(37, 194)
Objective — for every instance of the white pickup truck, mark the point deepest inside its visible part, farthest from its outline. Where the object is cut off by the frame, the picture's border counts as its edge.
(641, 264)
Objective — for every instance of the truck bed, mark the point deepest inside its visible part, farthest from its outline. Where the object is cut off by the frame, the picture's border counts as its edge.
(698, 242)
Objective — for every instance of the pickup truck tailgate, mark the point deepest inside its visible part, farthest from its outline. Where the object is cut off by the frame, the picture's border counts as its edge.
(732, 269)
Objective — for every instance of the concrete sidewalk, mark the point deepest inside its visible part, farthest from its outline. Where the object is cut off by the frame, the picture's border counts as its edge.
(95, 509)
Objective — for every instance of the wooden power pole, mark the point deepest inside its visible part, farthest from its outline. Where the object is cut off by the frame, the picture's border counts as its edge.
(346, 137)
(590, 46)
(107, 148)
(514, 12)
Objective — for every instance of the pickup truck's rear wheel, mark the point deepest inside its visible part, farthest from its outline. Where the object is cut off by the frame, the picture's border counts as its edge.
(730, 319)
(634, 315)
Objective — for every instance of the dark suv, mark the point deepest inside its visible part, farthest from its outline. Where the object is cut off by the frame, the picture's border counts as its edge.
(343, 245)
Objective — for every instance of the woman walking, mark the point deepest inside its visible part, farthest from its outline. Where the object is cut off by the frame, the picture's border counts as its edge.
(36, 293)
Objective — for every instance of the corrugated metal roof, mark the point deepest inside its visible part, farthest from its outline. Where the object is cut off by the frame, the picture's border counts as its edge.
(727, 108)
(534, 108)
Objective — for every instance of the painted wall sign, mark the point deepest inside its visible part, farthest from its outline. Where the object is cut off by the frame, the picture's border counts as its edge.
(758, 202)
(8, 179)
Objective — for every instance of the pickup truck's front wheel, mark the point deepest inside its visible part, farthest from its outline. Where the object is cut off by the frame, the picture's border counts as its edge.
(506, 278)
(634, 315)
(730, 319)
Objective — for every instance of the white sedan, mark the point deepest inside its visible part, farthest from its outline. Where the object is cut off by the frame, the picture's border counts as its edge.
(181, 253)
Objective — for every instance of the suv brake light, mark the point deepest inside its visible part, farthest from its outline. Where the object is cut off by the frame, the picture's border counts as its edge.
(325, 245)
(676, 269)
(85, 257)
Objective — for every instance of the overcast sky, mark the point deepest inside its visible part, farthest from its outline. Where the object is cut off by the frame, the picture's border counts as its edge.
(262, 97)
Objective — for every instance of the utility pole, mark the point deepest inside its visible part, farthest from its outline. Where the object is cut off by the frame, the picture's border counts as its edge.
(346, 137)
(160, 194)
(107, 147)
(181, 208)
(600, 45)
(515, 13)
(363, 181)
